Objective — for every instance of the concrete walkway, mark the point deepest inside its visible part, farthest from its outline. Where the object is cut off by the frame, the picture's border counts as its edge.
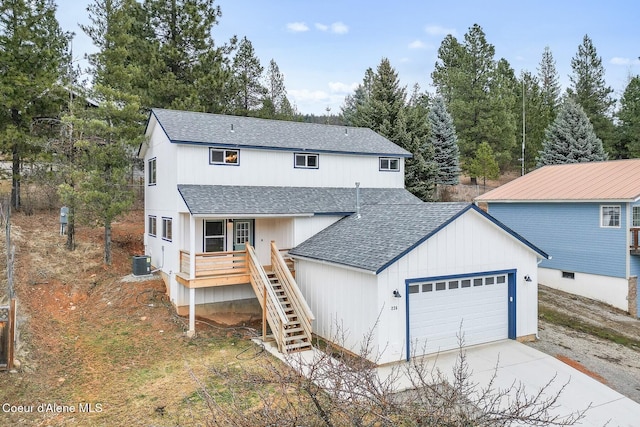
(519, 364)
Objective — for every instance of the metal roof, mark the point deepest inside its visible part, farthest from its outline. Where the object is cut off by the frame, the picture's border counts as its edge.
(185, 127)
(593, 181)
(257, 200)
(384, 234)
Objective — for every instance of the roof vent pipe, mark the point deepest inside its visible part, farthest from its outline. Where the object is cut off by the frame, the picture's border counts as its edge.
(346, 131)
(231, 127)
(357, 200)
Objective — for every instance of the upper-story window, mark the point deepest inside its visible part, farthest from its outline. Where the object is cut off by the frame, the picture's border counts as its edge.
(151, 171)
(636, 216)
(305, 160)
(389, 163)
(224, 156)
(610, 216)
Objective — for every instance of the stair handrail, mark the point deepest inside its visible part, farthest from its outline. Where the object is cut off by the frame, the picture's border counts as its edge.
(280, 266)
(272, 298)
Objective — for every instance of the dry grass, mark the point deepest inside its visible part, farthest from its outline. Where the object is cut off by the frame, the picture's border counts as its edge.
(88, 337)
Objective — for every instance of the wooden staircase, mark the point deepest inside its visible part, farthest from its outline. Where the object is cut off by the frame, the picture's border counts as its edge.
(283, 306)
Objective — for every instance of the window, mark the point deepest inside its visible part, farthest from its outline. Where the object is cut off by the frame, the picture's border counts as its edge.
(441, 286)
(466, 283)
(610, 216)
(152, 171)
(414, 289)
(389, 164)
(166, 228)
(489, 280)
(453, 284)
(636, 216)
(427, 287)
(501, 279)
(477, 282)
(214, 236)
(305, 161)
(152, 225)
(223, 156)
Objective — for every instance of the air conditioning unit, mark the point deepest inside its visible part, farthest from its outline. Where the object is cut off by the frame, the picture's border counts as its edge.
(141, 265)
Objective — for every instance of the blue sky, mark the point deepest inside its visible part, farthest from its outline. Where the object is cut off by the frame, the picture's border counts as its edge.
(324, 47)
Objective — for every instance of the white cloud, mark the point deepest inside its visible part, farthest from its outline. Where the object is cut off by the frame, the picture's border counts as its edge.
(417, 44)
(306, 95)
(616, 60)
(297, 27)
(437, 30)
(339, 28)
(321, 27)
(344, 88)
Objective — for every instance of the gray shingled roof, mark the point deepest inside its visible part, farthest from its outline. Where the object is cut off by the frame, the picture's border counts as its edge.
(236, 131)
(380, 236)
(253, 200)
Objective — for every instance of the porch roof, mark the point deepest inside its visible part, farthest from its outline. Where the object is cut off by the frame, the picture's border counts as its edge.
(264, 200)
(384, 234)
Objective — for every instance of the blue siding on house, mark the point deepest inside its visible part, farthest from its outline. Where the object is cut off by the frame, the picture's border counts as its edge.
(634, 267)
(571, 234)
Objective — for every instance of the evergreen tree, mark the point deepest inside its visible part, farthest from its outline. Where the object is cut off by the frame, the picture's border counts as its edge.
(570, 138)
(484, 164)
(444, 141)
(479, 93)
(247, 89)
(275, 105)
(589, 89)
(530, 103)
(380, 104)
(354, 104)
(33, 57)
(549, 85)
(629, 117)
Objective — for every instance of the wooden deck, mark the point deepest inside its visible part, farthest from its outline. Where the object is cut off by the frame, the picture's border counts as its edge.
(214, 269)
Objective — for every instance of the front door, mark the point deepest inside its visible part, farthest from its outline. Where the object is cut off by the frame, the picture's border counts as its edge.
(242, 233)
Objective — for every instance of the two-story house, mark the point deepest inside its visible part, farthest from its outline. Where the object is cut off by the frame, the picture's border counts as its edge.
(310, 224)
(588, 216)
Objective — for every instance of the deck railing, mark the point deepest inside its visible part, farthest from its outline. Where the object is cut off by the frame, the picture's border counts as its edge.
(272, 309)
(283, 273)
(210, 264)
(635, 243)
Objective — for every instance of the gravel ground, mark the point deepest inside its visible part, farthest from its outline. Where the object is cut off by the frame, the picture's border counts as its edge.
(613, 364)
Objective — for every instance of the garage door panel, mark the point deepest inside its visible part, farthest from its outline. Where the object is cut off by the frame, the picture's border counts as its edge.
(439, 313)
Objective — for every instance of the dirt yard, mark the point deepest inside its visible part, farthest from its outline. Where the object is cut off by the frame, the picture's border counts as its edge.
(593, 337)
(114, 353)
(111, 351)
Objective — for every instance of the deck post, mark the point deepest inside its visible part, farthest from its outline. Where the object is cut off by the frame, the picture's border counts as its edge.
(264, 314)
(192, 312)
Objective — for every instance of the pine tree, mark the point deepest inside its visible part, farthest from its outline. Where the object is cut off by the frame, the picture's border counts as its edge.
(479, 93)
(33, 52)
(444, 141)
(589, 89)
(484, 164)
(530, 103)
(570, 138)
(351, 110)
(275, 104)
(247, 89)
(629, 117)
(549, 85)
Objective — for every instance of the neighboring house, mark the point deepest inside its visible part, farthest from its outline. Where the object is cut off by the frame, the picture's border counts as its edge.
(228, 197)
(587, 215)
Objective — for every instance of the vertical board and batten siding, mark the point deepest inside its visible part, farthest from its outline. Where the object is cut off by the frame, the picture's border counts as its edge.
(571, 234)
(343, 301)
(468, 245)
(276, 168)
(306, 227)
(357, 300)
(161, 200)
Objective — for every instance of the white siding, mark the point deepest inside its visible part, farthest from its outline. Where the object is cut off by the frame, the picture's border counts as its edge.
(275, 168)
(468, 245)
(611, 290)
(309, 226)
(341, 300)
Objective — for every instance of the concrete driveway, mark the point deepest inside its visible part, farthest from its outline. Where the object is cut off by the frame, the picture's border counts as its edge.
(518, 363)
